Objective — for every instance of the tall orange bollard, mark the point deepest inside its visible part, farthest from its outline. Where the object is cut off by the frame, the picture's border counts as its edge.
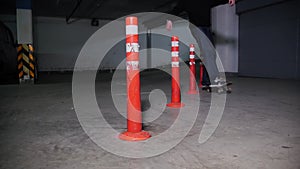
(192, 89)
(176, 96)
(134, 115)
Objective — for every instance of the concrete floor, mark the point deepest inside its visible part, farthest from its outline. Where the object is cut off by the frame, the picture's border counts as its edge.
(260, 128)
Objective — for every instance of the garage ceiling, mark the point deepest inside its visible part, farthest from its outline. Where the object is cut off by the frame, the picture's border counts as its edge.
(100, 9)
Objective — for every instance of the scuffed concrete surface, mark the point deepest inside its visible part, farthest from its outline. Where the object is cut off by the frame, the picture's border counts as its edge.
(260, 129)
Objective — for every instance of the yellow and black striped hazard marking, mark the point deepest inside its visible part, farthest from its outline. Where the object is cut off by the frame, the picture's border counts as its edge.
(26, 62)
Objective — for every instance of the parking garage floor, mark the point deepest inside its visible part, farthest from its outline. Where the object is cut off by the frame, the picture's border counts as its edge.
(259, 128)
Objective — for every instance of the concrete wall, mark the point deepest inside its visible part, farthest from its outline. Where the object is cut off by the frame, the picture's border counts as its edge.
(58, 44)
(269, 38)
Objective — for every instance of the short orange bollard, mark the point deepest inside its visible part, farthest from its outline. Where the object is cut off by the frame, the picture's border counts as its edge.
(134, 115)
(192, 87)
(176, 96)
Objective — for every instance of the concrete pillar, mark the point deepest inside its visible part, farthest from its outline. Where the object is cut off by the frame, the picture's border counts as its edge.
(26, 60)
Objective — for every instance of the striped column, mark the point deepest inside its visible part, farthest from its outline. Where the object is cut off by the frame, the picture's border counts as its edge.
(134, 115)
(176, 95)
(26, 63)
(192, 87)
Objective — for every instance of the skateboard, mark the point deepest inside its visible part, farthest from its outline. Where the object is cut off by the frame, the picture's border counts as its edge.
(221, 87)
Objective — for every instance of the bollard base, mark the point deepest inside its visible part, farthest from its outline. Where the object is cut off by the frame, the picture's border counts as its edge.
(133, 136)
(175, 105)
(192, 92)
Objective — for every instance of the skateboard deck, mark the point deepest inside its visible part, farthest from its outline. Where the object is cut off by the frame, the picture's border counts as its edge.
(221, 87)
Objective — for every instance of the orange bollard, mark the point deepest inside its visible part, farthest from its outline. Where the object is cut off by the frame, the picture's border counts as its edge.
(192, 89)
(134, 115)
(201, 74)
(176, 97)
